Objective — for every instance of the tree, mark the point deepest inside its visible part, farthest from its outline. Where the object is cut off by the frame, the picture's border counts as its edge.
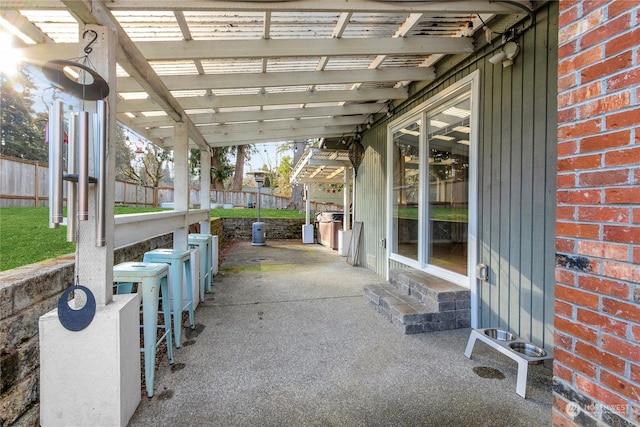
(239, 171)
(20, 135)
(151, 169)
(124, 157)
(154, 165)
(221, 169)
(283, 171)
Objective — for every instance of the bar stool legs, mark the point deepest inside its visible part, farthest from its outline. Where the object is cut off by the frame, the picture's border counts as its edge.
(203, 243)
(178, 261)
(152, 280)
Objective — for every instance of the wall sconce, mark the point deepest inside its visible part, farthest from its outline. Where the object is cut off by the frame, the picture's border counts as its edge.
(509, 51)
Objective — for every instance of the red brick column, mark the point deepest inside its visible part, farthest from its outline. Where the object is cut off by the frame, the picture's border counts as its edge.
(597, 320)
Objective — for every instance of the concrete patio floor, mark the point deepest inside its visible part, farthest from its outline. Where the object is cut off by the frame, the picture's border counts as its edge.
(287, 339)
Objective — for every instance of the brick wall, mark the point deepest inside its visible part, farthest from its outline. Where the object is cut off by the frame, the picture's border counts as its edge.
(597, 320)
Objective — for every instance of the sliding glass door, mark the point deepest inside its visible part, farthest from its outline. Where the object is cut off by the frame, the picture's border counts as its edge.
(431, 154)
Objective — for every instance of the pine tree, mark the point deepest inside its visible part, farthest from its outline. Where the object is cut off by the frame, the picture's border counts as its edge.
(22, 131)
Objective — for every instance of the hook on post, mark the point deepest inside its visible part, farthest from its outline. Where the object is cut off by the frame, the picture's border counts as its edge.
(88, 49)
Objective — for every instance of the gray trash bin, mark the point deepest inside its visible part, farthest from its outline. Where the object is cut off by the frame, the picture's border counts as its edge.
(258, 234)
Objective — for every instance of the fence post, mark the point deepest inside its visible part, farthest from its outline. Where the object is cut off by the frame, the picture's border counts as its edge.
(35, 186)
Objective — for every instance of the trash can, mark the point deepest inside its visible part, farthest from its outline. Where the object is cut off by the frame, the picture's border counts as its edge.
(258, 234)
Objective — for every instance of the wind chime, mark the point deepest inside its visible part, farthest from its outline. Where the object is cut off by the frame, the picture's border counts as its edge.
(83, 129)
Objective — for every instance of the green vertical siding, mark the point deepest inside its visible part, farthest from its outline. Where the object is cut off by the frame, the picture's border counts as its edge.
(371, 199)
(516, 181)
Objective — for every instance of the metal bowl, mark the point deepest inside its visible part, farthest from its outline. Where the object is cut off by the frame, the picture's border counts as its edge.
(527, 349)
(499, 334)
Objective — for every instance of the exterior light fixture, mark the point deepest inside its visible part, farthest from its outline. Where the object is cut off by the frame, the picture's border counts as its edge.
(511, 50)
(467, 30)
(498, 58)
(506, 56)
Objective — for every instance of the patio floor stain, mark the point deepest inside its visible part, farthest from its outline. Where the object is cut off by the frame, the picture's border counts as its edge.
(487, 372)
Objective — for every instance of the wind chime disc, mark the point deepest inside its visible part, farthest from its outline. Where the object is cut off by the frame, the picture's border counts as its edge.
(94, 91)
(76, 320)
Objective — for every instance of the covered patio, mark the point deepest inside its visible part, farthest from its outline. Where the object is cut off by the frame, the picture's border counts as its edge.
(205, 74)
(494, 158)
(286, 339)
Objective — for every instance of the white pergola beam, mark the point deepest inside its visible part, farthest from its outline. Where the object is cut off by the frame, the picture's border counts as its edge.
(272, 136)
(301, 78)
(341, 25)
(182, 23)
(325, 162)
(279, 135)
(230, 101)
(266, 28)
(249, 116)
(24, 26)
(363, 6)
(243, 128)
(287, 48)
(278, 48)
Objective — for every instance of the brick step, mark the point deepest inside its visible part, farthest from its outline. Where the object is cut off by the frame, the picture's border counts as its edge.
(417, 302)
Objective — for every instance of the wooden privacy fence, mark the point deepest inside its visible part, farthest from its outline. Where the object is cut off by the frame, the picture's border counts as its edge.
(25, 183)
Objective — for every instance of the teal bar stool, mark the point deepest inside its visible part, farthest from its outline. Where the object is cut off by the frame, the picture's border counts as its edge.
(178, 261)
(152, 285)
(203, 243)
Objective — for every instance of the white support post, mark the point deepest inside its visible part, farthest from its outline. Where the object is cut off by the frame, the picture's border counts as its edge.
(346, 223)
(95, 263)
(307, 229)
(344, 235)
(205, 189)
(353, 194)
(181, 181)
(307, 204)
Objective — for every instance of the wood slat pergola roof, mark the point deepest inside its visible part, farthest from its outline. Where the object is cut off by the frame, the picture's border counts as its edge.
(321, 166)
(242, 72)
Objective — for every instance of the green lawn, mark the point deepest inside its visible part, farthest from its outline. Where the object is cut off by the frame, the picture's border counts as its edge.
(436, 213)
(25, 236)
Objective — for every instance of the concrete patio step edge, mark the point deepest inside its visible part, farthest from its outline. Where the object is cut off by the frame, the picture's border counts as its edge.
(417, 302)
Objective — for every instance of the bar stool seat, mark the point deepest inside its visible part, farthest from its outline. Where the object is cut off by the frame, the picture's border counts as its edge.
(179, 261)
(203, 243)
(152, 280)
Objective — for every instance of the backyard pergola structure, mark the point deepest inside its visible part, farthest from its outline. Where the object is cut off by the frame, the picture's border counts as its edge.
(324, 166)
(204, 74)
